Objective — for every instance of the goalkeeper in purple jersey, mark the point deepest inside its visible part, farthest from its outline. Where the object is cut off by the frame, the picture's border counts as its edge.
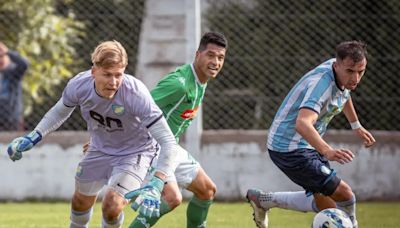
(179, 95)
(126, 129)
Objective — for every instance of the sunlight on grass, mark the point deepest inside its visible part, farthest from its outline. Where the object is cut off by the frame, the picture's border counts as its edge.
(224, 215)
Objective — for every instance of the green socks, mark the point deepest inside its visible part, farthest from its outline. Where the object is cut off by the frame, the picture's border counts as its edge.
(197, 212)
(145, 222)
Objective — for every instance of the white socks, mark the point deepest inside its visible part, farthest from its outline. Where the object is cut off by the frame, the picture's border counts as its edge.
(350, 208)
(80, 219)
(297, 201)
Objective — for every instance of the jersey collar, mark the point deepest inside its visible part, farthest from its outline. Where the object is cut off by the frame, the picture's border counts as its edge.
(195, 75)
(336, 80)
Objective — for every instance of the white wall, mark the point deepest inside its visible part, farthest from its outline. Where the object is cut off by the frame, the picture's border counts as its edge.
(46, 171)
(163, 40)
(235, 160)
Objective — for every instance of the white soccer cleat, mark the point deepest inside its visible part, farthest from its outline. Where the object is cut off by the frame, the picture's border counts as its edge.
(260, 213)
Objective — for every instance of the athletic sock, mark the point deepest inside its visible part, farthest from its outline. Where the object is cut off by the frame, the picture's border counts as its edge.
(114, 224)
(146, 222)
(197, 211)
(297, 201)
(349, 207)
(80, 219)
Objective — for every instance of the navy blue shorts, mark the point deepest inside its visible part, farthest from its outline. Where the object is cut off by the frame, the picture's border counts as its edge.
(307, 168)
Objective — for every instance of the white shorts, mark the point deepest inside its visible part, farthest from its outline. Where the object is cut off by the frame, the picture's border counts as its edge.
(185, 172)
(121, 173)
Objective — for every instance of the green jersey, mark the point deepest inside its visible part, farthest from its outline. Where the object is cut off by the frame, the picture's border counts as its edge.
(179, 95)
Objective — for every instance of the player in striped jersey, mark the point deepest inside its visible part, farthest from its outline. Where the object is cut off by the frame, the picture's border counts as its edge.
(179, 95)
(125, 127)
(295, 142)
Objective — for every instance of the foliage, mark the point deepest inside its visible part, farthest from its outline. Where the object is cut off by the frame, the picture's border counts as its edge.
(102, 20)
(46, 39)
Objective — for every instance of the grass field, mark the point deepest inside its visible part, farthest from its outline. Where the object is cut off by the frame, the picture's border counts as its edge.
(224, 215)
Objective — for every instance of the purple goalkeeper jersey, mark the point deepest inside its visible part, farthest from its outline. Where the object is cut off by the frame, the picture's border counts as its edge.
(117, 126)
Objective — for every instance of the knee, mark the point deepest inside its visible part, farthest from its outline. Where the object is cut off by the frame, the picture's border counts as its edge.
(208, 192)
(173, 199)
(343, 192)
(81, 202)
(211, 191)
(112, 205)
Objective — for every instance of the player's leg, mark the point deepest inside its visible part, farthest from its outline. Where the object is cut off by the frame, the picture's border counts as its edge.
(81, 210)
(346, 201)
(262, 202)
(127, 175)
(204, 191)
(112, 206)
(323, 202)
(304, 167)
(89, 179)
(171, 198)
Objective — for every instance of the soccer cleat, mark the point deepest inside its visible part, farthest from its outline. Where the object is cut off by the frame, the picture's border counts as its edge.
(261, 202)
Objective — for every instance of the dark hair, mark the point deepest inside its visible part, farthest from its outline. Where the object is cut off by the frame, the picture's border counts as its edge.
(212, 38)
(356, 50)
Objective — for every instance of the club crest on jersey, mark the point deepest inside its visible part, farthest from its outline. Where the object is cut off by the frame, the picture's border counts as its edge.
(325, 170)
(181, 80)
(79, 171)
(189, 113)
(118, 109)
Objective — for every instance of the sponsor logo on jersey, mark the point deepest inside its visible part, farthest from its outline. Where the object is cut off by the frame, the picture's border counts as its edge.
(118, 109)
(190, 113)
(108, 123)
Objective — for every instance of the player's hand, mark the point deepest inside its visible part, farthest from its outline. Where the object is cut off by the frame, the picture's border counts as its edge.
(21, 144)
(366, 136)
(148, 198)
(339, 155)
(85, 147)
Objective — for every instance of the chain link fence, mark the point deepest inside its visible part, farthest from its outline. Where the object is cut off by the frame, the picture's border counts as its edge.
(271, 45)
(101, 20)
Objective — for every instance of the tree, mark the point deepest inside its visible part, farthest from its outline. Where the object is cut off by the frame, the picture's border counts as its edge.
(46, 38)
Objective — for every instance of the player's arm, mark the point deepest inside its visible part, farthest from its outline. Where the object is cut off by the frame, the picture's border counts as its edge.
(148, 198)
(351, 116)
(166, 162)
(50, 122)
(305, 127)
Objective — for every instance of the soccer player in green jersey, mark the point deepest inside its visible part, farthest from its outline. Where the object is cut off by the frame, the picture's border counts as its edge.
(179, 95)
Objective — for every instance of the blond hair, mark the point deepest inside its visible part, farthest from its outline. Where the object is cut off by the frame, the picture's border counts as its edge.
(109, 54)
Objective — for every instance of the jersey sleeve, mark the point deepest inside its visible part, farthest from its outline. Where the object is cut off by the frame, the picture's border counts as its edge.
(69, 95)
(317, 94)
(168, 91)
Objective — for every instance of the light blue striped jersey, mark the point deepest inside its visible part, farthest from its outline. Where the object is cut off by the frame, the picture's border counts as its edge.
(317, 90)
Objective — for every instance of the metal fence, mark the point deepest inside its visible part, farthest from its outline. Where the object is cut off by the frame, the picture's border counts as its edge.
(271, 45)
(102, 20)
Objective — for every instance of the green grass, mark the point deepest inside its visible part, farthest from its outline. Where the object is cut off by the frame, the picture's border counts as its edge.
(46, 215)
